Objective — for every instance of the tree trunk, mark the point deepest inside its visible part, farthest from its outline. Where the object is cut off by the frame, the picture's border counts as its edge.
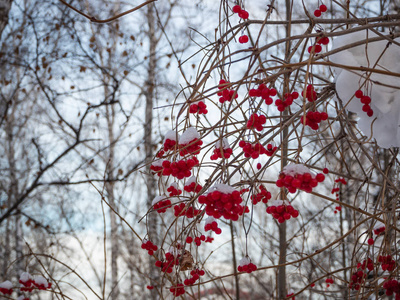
(148, 141)
(112, 202)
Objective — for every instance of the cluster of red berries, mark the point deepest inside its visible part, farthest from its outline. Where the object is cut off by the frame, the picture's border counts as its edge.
(39, 282)
(173, 190)
(263, 92)
(255, 150)
(256, 122)
(336, 190)
(149, 246)
(366, 101)
(243, 39)
(179, 169)
(387, 263)
(193, 147)
(27, 281)
(169, 144)
(357, 279)
(243, 14)
(281, 211)
(157, 167)
(223, 202)
(313, 118)
(199, 107)
(6, 287)
(379, 229)
(322, 9)
(337, 209)
(221, 153)
(367, 263)
(190, 212)
(329, 281)
(294, 178)
(212, 225)
(291, 294)
(288, 100)
(192, 186)
(392, 286)
(317, 48)
(196, 273)
(246, 265)
(209, 239)
(311, 94)
(197, 240)
(167, 265)
(341, 180)
(177, 290)
(224, 93)
(162, 205)
(263, 196)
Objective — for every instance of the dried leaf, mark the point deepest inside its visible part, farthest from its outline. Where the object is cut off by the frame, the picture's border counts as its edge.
(186, 262)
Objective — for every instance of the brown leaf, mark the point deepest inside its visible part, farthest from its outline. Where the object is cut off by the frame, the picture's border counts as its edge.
(186, 262)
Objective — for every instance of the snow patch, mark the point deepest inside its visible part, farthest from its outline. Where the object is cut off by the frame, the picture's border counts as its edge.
(171, 135)
(278, 202)
(244, 261)
(189, 135)
(294, 169)
(225, 144)
(209, 220)
(40, 280)
(25, 276)
(157, 163)
(6, 285)
(223, 188)
(191, 180)
(158, 199)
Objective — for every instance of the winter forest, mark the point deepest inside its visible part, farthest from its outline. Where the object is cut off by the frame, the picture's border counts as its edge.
(203, 149)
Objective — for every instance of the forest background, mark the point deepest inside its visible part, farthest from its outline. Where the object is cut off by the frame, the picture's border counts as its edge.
(90, 93)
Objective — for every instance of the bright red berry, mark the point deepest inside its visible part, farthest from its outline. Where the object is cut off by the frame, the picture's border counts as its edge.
(243, 39)
(317, 13)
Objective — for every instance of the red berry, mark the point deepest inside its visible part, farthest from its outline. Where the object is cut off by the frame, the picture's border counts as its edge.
(325, 171)
(317, 13)
(359, 93)
(323, 8)
(243, 14)
(236, 9)
(243, 39)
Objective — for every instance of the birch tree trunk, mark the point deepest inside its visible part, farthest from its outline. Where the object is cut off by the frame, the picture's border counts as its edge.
(111, 200)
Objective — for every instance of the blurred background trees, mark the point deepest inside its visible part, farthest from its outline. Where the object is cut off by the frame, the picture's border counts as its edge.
(84, 109)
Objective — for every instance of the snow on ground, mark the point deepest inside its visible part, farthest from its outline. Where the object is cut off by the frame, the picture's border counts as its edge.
(383, 89)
